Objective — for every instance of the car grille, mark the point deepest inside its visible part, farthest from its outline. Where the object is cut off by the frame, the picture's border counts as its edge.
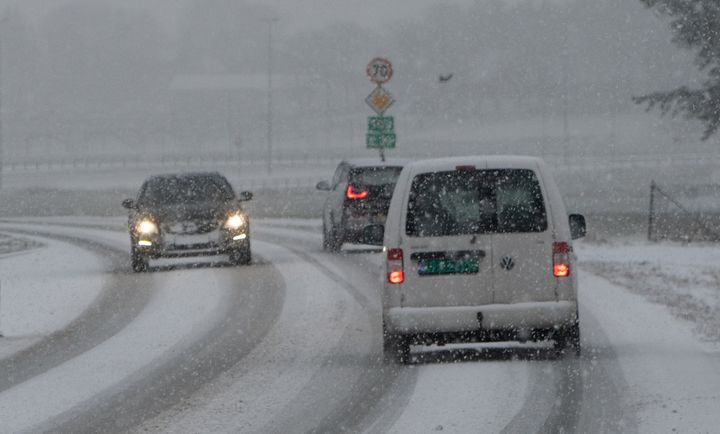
(192, 227)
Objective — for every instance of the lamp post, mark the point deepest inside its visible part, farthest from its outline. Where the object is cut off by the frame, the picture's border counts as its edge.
(2, 160)
(270, 23)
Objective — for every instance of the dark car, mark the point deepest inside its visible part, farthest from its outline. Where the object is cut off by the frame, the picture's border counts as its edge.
(182, 215)
(359, 198)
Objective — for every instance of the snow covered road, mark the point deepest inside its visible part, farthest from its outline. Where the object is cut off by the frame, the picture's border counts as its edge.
(292, 344)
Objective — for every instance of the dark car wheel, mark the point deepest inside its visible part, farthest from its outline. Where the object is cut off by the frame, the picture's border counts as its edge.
(140, 263)
(241, 256)
(331, 239)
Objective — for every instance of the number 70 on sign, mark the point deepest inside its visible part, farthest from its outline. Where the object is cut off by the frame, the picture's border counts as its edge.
(380, 70)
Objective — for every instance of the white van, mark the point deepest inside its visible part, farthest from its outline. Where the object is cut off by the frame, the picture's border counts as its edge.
(479, 249)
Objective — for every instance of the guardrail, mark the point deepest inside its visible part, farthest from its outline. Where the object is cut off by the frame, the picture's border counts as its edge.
(98, 163)
(564, 161)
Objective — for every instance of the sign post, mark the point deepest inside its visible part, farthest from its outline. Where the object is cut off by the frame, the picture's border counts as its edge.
(381, 129)
(1, 335)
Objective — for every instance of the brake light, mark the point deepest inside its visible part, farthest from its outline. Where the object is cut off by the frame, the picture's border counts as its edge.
(561, 259)
(351, 194)
(396, 275)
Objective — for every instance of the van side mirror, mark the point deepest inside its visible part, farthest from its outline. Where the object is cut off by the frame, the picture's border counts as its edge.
(245, 196)
(373, 235)
(323, 185)
(128, 204)
(577, 226)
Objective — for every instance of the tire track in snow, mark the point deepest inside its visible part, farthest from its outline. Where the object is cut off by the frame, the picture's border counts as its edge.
(118, 303)
(248, 313)
(380, 388)
(176, 376)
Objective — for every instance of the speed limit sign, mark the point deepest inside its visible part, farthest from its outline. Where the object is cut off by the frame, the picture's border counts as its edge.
(379, 70)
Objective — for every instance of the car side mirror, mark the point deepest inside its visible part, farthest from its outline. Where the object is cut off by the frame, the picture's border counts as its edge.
(128, 203)
(323, 185)
(577, 226)
(373, 235)
(245, 196)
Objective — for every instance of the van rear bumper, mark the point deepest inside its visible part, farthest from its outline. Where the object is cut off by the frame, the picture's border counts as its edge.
(519, 316)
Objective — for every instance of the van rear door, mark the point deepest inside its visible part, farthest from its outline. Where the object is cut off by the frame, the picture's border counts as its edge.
(523, 240)
(447, 240)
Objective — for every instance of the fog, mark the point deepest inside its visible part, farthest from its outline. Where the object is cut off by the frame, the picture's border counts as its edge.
(188, 78)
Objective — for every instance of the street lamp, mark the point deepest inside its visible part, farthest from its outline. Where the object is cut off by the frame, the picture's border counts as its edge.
(2, 160)
(270, 23)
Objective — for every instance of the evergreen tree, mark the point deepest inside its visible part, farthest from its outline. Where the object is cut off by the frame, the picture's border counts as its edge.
(695, 25)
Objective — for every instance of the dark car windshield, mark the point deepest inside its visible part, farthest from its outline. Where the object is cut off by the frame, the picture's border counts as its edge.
(375, 175)
(179, 190)
(470, 202)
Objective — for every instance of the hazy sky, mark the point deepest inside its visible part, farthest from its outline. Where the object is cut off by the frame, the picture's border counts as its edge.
(366, 12)
(295, 14)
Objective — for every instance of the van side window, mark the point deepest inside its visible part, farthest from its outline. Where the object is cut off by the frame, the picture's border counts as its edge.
(472, 202)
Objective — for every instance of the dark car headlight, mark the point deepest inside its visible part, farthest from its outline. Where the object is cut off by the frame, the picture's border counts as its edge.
(146, 227)
(235, 221)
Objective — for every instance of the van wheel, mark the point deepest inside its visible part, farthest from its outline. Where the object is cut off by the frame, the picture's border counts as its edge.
(331, 239)
(140, 263)
(396, 348)
(567, 340)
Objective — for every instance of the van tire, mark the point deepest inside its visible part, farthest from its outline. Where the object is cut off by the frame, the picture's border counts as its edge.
(567, 340)
(396, 348)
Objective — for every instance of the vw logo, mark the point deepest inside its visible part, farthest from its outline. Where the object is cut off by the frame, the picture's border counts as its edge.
(507, 263)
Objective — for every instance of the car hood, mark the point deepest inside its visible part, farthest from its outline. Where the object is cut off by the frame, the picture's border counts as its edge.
(188, 212)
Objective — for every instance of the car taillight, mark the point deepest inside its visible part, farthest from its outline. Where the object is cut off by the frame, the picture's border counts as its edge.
(395, 271)
(561, 259)
(355, 194)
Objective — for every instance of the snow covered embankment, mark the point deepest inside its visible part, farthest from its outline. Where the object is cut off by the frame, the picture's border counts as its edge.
(40, 290)
(683, 277)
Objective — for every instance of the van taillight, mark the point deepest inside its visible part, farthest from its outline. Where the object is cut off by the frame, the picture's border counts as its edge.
(395, 255)
(561, 259)
(355, 194)
(396, 275)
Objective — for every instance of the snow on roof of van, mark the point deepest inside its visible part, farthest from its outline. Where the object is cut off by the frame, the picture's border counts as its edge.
(481, 161)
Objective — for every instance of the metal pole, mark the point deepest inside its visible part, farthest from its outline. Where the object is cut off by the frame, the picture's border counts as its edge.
(1, 334)
(652, 210)
(2, 159)
(269, 97)
(565, 67)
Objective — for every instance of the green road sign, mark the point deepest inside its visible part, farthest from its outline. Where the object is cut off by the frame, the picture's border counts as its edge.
(381, 124)
(381, 140)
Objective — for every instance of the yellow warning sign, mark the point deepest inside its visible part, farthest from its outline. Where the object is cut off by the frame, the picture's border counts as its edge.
(379, 100)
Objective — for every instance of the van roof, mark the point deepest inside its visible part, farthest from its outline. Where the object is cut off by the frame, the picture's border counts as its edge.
(479, 161)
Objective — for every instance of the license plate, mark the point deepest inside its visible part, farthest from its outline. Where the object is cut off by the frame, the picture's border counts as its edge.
(189, 240)
(436, 266)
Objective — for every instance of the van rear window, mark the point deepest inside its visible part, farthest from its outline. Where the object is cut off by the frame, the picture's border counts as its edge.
(475, 202)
